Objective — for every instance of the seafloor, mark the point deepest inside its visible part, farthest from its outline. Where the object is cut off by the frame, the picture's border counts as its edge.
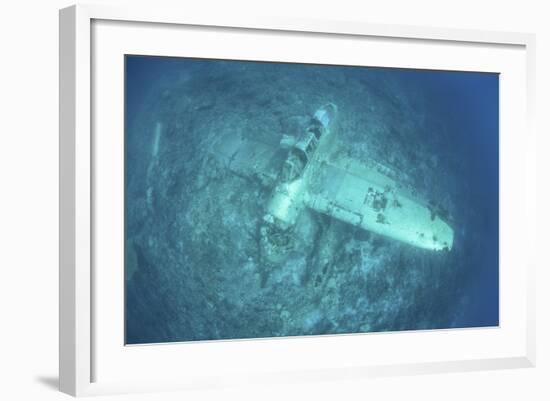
(194, 269)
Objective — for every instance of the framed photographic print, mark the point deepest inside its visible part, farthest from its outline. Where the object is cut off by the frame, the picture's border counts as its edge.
(277, 200)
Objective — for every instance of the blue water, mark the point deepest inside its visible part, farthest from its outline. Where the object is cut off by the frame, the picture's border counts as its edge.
(193, 268)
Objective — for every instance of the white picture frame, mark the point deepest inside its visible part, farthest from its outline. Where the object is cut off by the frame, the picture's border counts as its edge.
(83, 350)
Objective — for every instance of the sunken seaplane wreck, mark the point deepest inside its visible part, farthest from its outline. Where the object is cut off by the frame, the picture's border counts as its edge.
(308, 170)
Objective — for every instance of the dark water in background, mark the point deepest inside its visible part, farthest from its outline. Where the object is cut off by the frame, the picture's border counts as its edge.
(194, 269)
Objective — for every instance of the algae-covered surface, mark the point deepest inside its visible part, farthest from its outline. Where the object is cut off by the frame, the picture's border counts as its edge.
(194, 266)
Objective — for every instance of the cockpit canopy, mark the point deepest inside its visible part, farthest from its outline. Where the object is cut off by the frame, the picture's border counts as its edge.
(303, 148)
(294, 164)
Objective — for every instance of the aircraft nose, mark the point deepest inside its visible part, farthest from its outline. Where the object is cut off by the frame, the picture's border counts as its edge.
(326, 114)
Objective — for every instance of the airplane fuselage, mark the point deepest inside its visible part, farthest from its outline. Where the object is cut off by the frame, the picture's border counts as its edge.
(313, 176)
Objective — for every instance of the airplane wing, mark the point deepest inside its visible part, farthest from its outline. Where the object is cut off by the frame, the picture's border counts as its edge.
(361, 195)
(250, 158)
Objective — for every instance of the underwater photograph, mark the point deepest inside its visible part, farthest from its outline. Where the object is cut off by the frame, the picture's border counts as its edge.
(269, 199)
